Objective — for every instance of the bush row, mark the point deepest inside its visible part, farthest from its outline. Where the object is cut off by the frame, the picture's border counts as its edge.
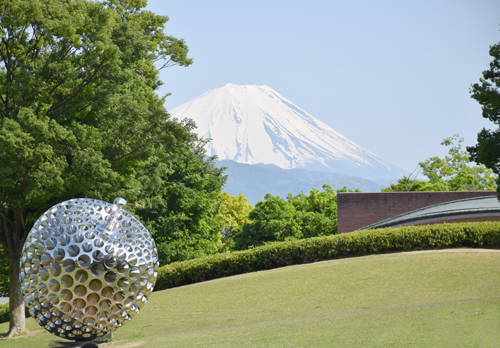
(385, 240)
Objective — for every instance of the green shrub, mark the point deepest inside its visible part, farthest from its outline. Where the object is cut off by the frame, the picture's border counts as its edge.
(477, 234)
(4, 313)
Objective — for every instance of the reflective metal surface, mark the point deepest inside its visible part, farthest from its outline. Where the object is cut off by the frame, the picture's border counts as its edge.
(87, 266)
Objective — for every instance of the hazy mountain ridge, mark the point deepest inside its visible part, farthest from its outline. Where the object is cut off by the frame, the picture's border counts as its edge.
(254, 181)
(255, 124)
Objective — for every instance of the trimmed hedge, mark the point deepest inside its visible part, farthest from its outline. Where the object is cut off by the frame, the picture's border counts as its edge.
(360, 243)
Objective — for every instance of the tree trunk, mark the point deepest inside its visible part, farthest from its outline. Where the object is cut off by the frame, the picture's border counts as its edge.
(16, 304)
(13, 233)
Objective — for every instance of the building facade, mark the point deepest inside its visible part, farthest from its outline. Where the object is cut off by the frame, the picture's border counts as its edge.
(356, 210)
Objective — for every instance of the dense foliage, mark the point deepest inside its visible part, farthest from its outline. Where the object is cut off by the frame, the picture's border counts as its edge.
(407, 183)
(487, 94)
(184, 219)
(302, 216)
(234, 213)
(453, 172)
(473, 235)
(5, 313)
(4, 273)
(80, 117)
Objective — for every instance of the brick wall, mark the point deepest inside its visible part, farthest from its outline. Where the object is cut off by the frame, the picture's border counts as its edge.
(359, 209)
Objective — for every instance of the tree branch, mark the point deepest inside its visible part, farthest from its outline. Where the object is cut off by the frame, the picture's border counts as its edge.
(64, 102)
(137, 149)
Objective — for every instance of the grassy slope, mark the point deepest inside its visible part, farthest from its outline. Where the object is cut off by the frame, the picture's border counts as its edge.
(440, 299)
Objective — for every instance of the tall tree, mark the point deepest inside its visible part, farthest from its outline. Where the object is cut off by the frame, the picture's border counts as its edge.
(487, 94)
(78, 111)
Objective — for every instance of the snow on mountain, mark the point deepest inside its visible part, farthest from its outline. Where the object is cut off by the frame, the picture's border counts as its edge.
(255, 124)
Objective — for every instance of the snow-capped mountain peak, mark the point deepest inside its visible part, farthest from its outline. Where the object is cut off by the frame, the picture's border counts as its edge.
(255, 124)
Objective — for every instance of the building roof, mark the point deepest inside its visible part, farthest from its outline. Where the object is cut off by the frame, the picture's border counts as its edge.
(471, 209)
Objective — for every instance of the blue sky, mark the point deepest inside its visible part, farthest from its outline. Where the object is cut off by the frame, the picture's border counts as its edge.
(392, 76)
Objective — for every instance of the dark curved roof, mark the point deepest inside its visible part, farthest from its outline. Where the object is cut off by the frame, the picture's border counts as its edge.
(472, 209)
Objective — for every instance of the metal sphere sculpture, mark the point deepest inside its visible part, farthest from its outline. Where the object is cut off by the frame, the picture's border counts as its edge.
(87, 267)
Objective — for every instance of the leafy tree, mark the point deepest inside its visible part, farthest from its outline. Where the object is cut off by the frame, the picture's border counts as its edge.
(184, 219)
(454, 170)
(79, 116)
(487, 94)
(273, 219)
(317, 212)
(406, 183)
(234, 213)
(300, 216)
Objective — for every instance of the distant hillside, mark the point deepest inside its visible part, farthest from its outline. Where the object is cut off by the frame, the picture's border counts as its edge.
(254, 181)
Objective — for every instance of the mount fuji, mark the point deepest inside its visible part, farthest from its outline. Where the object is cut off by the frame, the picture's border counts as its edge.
(256, 125)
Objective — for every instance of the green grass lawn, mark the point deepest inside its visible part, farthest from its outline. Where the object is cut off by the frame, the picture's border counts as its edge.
(438, 299)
